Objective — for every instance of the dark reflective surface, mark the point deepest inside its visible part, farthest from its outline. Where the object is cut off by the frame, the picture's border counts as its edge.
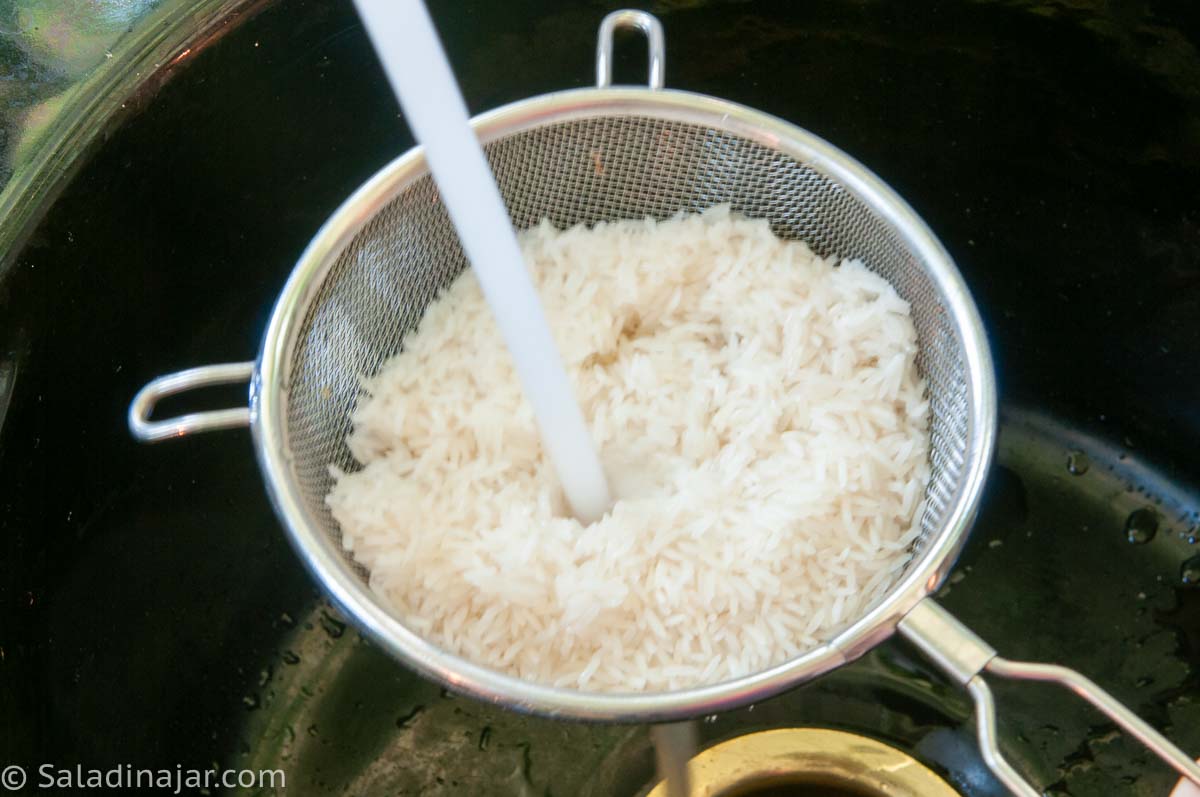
(151, 613)
(70, 70)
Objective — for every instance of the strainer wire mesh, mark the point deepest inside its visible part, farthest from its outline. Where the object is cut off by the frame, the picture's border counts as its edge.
(586, 171)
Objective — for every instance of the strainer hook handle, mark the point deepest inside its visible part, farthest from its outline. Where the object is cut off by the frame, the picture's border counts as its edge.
(647, 24)
(962, 655)
(142, 406)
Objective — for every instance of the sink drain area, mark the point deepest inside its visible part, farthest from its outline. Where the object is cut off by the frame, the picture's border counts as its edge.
(808, 762)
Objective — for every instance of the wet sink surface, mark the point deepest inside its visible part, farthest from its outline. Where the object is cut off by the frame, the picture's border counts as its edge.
(335, 713)
(152, 613)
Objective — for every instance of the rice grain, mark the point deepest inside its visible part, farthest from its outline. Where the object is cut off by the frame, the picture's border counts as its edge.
(762, 422)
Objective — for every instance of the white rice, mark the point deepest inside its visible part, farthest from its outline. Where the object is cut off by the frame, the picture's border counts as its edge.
(761, 420)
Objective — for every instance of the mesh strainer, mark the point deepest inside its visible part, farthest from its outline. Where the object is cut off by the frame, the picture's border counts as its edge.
(587, 156)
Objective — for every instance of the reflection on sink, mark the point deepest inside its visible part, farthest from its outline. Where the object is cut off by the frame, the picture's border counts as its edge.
(71, 66)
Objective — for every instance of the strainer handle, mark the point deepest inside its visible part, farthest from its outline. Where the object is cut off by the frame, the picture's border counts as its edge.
(647, 24)
(960, 652)
(142, 406)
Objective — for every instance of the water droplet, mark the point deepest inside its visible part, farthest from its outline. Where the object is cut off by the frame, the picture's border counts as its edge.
(447, 694)
(287, 620)
(1189, 574)
(290, 658)
(1141, 525)
(526, 762)
(332, 626)
(710, 719)
(485, 736)
(250, 702)
(1078, 463)
(312, 730)
(1142, 683)
(406, 720)
(264, 675)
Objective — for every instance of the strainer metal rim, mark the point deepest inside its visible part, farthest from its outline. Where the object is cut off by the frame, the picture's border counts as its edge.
(268, 405)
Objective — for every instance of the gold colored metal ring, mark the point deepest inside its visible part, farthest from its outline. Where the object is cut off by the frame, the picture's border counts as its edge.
(809, 761)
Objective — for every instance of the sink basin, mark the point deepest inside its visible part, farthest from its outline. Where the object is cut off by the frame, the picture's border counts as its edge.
(152, 614)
